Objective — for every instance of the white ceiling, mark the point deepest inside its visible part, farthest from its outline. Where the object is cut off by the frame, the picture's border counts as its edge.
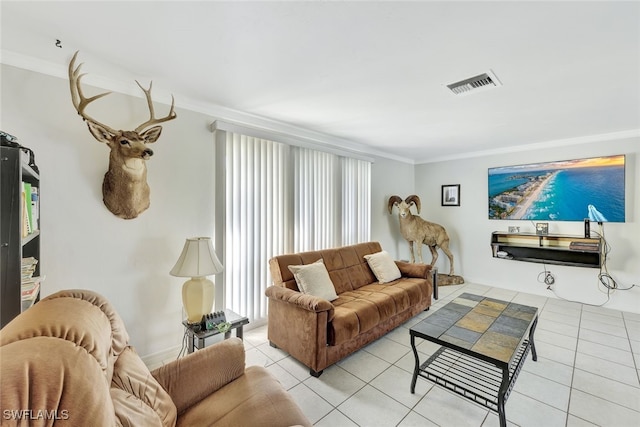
(366, 75)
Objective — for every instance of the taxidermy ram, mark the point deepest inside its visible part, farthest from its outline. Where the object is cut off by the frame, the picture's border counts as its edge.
(416, 230)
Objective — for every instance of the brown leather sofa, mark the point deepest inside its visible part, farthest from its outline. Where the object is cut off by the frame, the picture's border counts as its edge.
(319, 333)
(66, 361)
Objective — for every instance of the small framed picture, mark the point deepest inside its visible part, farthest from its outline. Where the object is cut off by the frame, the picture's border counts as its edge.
(451, 195)
(513, 229)
(542, 228)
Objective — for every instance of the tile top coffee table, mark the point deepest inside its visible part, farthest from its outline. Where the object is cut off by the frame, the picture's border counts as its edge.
(484, 343)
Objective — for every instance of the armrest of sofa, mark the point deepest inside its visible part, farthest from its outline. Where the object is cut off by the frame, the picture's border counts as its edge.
(420, 271)
(304, 301)
(298, 324)
(190, 379)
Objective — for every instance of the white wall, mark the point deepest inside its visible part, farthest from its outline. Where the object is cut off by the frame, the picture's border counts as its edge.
(389, 178)
(83, 244)
(470, 230)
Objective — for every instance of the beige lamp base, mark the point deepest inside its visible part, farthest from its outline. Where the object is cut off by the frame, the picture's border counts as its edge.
(197, 298)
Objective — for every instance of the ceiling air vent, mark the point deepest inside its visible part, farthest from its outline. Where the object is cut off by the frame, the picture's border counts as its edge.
(474, 84)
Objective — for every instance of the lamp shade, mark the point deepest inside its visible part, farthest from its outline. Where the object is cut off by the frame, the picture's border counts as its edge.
(197, 259)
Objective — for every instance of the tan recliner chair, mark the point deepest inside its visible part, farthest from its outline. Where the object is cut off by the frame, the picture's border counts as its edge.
(66, 361)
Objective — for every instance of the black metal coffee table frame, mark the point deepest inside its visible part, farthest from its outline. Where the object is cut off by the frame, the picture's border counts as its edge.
(480, 378)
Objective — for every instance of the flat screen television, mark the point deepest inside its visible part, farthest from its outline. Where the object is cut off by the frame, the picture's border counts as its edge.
(569, 190)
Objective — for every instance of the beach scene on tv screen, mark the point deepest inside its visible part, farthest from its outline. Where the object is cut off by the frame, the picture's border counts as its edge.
(569, 190)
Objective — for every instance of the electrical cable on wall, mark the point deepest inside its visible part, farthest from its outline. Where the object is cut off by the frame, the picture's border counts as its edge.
(605, 279)
(546, 277)
(183, 348)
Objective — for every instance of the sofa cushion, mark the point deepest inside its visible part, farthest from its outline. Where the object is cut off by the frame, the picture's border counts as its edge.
(401, 297)
(383, 266)
(356, 267)
(363, 309)
(313, 279)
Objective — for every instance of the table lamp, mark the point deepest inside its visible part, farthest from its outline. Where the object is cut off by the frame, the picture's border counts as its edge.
(197, 260)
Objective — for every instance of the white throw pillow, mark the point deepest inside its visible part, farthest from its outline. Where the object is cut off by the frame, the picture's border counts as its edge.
(383, 266)
(313, 279)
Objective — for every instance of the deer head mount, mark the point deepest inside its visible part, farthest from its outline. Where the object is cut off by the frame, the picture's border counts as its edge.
(125, 190)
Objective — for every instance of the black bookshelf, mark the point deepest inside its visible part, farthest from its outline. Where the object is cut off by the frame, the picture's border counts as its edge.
(15, 244)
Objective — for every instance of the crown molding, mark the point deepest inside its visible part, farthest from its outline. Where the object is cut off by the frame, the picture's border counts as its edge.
(256, 122)
(218, 112)
(604, 137)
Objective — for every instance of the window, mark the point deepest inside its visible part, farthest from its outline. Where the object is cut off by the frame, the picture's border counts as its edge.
(281, 198)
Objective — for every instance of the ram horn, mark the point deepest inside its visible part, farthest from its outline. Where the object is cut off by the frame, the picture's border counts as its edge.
(393, 200)
(415, 199)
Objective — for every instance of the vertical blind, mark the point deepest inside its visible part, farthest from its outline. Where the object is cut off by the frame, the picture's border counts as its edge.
(281, 199)
(356, 201)
(315, 204)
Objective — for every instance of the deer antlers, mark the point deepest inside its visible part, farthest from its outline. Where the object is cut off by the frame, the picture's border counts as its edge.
(80, 101)
(152, 120)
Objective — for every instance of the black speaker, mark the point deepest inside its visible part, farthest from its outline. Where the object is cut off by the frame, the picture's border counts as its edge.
(587, 228)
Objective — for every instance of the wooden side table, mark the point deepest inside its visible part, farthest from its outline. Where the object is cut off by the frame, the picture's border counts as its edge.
(195, 340)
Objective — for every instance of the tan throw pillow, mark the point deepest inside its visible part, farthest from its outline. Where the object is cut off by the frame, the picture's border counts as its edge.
(383, 266)
(313, 279)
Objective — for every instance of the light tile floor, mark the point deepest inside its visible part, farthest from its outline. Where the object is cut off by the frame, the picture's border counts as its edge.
(586, 374)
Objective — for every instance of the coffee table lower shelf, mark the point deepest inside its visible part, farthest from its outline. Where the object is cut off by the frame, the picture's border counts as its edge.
(473, 378)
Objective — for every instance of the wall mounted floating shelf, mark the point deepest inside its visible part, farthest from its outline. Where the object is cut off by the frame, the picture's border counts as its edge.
(549, 249)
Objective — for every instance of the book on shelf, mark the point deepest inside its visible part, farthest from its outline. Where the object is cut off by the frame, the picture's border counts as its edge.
(29, 281)
(28, 294)
(29, 260)
(584, 246)
(31, 287)
(25, 217)
(32, 283)
(30, 209)
(27, 268)
(27, 273)
(35, 208)
(26, 188)
(27, 286)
